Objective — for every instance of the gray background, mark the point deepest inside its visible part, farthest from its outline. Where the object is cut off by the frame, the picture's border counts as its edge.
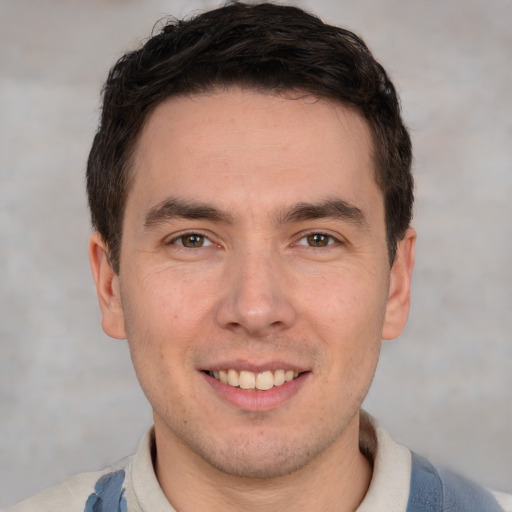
(69, 400)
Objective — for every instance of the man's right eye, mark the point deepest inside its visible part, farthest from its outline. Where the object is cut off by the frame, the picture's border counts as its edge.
(191, 240)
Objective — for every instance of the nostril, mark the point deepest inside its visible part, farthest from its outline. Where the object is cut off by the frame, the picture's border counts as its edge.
(256, 311)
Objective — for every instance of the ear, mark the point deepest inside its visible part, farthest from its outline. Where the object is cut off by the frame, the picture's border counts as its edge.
(399, 298)
(107, 288)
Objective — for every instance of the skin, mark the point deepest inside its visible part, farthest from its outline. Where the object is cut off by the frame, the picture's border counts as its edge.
(266, 285)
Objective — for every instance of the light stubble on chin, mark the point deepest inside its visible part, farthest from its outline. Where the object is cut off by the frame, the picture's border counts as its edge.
(263, 454)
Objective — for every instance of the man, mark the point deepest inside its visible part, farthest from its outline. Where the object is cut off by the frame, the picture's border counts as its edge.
(251, 195)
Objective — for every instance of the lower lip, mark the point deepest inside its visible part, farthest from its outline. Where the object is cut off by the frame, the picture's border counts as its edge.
(252, 400)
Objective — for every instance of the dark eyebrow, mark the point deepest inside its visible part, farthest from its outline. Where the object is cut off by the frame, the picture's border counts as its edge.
(336, 209)
(173, 208)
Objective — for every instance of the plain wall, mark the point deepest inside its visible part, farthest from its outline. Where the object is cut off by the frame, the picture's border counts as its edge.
(69, 401)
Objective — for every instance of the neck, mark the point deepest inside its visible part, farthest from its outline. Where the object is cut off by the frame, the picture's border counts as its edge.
(336, 480)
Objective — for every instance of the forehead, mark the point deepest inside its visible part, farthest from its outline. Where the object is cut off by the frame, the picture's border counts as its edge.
(244, 147)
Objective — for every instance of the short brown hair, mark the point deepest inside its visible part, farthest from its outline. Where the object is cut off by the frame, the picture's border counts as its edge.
(267, 47)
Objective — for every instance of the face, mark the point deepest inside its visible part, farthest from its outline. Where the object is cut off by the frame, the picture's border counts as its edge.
(254, 286)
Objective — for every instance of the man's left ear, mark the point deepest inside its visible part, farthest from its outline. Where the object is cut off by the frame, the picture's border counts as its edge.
(399, 298)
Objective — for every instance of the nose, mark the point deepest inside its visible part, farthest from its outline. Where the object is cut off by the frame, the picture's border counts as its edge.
(257, 299)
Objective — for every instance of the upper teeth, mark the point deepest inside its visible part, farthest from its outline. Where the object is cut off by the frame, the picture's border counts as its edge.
(250, 380)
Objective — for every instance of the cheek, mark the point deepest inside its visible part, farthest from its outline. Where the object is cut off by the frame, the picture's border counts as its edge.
(346, 303)
(165, 317)
(348, 319)
(159, 346)
(169, 300)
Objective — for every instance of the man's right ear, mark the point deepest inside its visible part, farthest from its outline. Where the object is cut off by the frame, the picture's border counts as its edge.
(107, 288)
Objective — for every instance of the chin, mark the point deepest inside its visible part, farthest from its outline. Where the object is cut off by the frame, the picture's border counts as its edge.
(270, 464)
(265, 456)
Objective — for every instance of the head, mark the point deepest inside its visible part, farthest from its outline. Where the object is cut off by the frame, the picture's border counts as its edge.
(264, 47)
(250, 187)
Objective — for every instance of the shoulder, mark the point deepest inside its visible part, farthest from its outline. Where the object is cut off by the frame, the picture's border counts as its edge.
(504, 500)
(437, 490)
(406, 482)
(81, 493)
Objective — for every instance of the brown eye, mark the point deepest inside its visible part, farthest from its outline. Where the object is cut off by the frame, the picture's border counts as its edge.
(318, 240)
(192, 240)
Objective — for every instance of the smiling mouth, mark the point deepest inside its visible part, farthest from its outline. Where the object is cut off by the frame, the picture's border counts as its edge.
(261, 381)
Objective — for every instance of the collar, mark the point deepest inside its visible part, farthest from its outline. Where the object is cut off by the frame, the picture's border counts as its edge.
(388, 491)
(389, 487)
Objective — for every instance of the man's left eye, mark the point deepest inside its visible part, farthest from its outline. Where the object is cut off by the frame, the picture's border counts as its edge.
(192, 240)
(317, 240)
